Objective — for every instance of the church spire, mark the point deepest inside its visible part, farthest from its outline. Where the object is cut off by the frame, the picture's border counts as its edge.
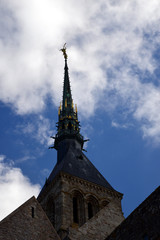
(68, 126)
(67, 106)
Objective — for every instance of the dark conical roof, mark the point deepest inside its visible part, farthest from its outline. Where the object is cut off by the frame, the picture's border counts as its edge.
(77, 164)
(74, 162)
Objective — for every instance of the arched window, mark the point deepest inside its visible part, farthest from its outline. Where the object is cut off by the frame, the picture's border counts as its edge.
(93, 206)
(78, 208)
(75, 210)
(90, 210)
(50, 210)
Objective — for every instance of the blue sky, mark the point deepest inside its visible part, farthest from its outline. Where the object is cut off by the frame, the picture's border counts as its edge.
(114, 53)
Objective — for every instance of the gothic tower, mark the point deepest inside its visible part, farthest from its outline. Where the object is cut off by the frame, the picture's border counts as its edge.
(75, 190)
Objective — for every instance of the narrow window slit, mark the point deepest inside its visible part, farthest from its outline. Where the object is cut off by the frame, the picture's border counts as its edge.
(32, 212)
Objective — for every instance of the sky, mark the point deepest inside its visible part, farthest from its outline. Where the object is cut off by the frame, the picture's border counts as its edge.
(113, 51)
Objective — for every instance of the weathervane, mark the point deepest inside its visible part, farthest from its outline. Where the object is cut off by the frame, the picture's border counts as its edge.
(64, 51)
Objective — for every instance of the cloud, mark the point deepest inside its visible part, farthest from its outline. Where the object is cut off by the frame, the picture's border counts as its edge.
(112, 46)
(148, 113)
(117, 125)
(24, 159)
(39, 129)
(44, 131)
(15, 188)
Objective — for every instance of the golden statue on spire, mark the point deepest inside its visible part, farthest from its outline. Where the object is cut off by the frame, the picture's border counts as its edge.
(64, 51)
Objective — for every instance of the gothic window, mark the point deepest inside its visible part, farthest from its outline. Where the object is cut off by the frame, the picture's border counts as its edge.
(78, 208)
(93, 206)
(75, 210)
(50, 210)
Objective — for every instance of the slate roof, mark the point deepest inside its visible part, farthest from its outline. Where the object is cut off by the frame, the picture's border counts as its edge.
(143, 222)
(75, 162)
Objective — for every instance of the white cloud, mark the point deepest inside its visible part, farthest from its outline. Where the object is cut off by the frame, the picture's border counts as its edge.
(111, 50)
(148, 112)
(44, 131)
(117, 125)
(2, 157)
(15, 188)
(25, 158)
(40, 129)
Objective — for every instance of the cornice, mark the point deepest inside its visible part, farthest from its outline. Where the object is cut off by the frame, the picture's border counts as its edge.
(90, 185)
(62, 177)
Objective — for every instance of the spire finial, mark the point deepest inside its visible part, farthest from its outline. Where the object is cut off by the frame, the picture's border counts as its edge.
(64, 51)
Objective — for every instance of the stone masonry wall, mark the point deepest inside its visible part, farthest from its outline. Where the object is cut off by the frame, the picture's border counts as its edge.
(71, 184)
(100, 226)
(24, 224)
(61, 192)
(54, 193)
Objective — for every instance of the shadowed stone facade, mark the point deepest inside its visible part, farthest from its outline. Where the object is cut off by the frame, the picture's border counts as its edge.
(62, 191)
(28, 222)
(100, 225)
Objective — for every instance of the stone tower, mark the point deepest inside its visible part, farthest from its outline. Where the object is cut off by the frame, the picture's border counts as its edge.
(75, 190)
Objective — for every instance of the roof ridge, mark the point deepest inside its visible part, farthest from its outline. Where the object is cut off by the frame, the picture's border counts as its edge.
(18, 208)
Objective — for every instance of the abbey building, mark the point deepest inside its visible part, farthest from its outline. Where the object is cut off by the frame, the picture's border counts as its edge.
(77, 202)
